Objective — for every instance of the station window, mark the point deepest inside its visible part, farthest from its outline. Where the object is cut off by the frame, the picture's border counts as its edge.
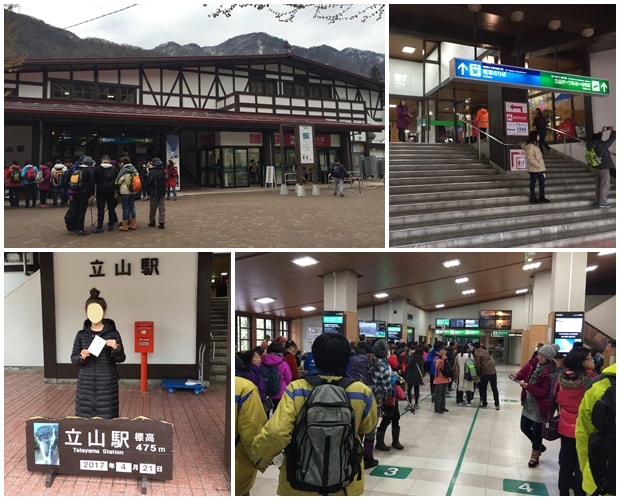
(264, 326)
(284, 327)
(244, 330)
(82, 91)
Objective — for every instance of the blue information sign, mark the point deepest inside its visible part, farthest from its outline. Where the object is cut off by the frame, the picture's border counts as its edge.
(513, 76)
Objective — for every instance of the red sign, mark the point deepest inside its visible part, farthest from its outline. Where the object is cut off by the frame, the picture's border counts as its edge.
(256, 139)
(320, 140)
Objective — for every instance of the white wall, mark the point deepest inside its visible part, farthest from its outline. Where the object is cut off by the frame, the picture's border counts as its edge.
(23, 333)
(603, 65)
(603, 317)
(168, 299)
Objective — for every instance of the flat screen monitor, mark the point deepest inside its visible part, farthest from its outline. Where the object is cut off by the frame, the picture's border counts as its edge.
(457, 323)
(568, 329)
(394, 331)
(368, 328)
(441, 322)
(487, 323)
(381, 330)
(333, 322)
(472, 323)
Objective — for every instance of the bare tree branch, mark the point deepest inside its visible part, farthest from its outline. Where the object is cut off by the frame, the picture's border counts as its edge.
(331, 13)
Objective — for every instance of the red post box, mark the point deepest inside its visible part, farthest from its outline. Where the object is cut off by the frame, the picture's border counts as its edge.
(144, 339)
(144, 336)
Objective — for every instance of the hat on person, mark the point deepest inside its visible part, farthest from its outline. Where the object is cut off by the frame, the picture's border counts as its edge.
(276, 348)
(548, 351)
(380, 349)
(158, 164)
(88, 161)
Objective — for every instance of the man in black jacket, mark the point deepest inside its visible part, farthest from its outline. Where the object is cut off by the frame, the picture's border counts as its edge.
(157, 192)
(82, 193)
(105, 175)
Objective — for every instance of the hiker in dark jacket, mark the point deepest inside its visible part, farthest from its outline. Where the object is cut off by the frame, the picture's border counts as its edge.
(97, 384)
(105, 177)
(603, 177)
(157, 192)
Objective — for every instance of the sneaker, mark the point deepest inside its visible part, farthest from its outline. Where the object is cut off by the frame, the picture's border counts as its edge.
(462, 403)
(81, 232)
(603, 205)
(97, 230)
(468, 405)
(497, 407)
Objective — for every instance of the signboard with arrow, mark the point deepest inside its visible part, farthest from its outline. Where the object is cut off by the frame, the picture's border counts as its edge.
(513, 76)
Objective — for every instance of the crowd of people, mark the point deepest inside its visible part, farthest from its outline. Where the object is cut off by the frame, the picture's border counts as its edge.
(83, 183)
(275, 381)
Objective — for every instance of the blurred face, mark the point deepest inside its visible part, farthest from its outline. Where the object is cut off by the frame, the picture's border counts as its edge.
(94, 312)
(256, 359)
(541, 359)
(588, 363)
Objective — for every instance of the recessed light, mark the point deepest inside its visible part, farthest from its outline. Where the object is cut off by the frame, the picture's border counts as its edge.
(381, 295)
(521, 290)
(606, 252)
(462, 280)
(308, 308)
(408, 50)
(439, 306)
(305, 261)
(468, 292)
(452, 263)
(533, 265)
(591, 268)
(265, 300)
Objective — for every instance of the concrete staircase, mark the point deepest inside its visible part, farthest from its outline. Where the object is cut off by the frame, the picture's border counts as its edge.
(441, 195)
(220, 310)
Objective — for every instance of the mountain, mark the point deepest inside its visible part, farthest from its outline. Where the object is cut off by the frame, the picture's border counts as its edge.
(50, 42)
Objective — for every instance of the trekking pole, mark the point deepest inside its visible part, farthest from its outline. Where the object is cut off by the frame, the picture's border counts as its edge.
(92, 220)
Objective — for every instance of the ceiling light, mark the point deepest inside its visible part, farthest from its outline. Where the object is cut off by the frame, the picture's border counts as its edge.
(265, 300)
(305, 261)
(587, 32)
(468, 292)
(452, 263)
(522, 290)
(591, 268)
(554, 24)
(381, 295)
(533, 265)
(462, 280)
(308, 308)
(517, 16)
(408, 50)
(474, 8)
(439, 306)
(606, 252)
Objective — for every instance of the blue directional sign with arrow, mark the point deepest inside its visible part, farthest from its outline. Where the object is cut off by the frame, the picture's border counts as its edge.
(513, 76)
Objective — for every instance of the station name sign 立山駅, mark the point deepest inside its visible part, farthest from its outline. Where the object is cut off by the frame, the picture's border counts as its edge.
(513, 76)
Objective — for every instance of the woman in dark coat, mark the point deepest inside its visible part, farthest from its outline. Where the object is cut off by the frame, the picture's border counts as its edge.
(415, 375)
(97, 384)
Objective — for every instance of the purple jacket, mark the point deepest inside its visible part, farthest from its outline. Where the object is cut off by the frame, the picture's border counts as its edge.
(284, 369)
(255, 374)
(402, 116)
(46, 183)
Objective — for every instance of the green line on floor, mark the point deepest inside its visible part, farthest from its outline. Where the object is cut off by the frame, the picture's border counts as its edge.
(457, 469)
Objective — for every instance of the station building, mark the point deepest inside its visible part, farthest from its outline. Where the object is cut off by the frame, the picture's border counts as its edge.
(239, 110)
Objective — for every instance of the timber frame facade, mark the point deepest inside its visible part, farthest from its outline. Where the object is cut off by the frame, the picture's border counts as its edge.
(196, 98)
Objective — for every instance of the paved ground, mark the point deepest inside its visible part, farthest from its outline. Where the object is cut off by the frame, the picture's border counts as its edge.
(199, 467)
(223, 219)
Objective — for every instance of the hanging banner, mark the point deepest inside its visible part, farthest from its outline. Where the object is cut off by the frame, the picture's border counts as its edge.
(173, 153)
(306, 144)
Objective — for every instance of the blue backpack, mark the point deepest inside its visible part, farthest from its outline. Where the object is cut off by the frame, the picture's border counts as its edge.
(271, 374)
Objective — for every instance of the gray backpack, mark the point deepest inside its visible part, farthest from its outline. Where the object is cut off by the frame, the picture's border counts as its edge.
(324, 454)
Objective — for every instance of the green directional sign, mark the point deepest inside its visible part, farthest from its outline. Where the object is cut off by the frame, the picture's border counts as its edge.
(525, 487)
(515, 76)
(391, 472)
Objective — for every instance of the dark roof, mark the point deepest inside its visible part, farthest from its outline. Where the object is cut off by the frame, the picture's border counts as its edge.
(361, 81)
(17, 108)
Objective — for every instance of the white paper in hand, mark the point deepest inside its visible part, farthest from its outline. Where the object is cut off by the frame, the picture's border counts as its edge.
(96, 346)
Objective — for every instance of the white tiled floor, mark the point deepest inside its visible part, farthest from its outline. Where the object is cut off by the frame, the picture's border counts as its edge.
(466, 452)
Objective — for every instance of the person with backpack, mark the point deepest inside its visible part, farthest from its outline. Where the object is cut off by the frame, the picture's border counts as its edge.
(57, 175)
(465, 374)
(443, 375)
(172, 174)
(13, 182)
(29, 183)
(573, 380)
(535, 381)
(384, 392)
(595, 435)
(339, 173)
(249, 420)
(44, 183)
(415, 374)
(82, 189)
(487, 374)
(329, 459)
(276, 371)
(124, 179)
(430, 368)
(603, 177)
(105, 177)
(157, 192)
(253, 370)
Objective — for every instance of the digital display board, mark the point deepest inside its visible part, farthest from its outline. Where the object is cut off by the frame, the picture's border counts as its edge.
(457, 323)
(381, 329)
(441, 322)
(567, 329)
(368, 328)
(472, 323)
(394, 331)
(333, 322)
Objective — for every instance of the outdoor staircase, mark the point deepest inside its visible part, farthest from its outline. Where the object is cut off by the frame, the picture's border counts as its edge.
(442, 195)
(220, 310)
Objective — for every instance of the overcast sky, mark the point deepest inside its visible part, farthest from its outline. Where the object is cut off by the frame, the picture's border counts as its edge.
(150, 24)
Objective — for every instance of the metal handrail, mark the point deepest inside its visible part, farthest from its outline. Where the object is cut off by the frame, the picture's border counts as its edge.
(480, 131)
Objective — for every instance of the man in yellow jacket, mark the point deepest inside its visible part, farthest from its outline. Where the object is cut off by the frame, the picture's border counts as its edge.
(250, 418)
(584, 426)
(331, 354)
